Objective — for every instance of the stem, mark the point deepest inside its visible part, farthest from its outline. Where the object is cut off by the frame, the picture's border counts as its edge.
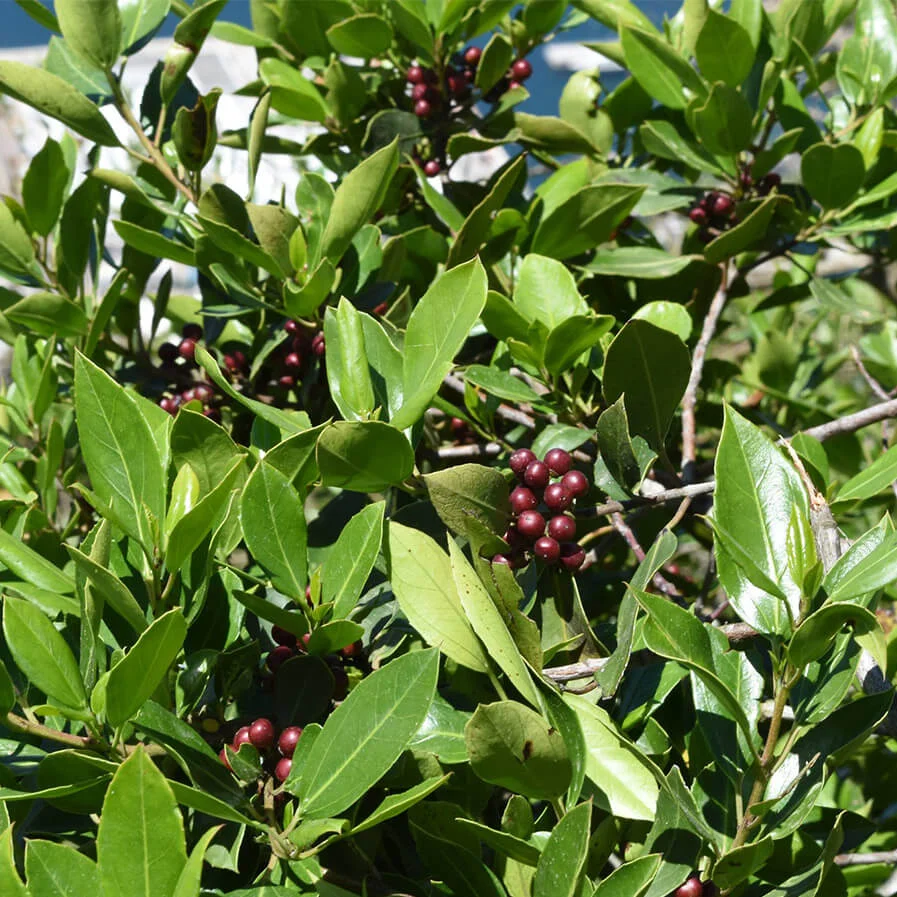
(27, 727)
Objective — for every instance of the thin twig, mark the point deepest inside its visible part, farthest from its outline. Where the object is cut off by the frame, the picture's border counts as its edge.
(512, 414)
(656, 498)
(661, 583)
(874, 385)
(454, 452)
(850, 423)
(689, 400)
(866, 859)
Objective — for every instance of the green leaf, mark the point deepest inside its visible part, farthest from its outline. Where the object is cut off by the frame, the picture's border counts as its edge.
(744, 235)
(504, 842)
(723, 122)
(52, 96)
(44, 187)
(119, 450)
(140, 841)
(205, 446)
(498, 54)
(292, 621)
(442, 732)
(303, 688)
(58, 870)
(7, 691)
(365, 735)
(643, 262)
(471, 500)
(42, 654)
(364, 456)
(559, 436)
(871, 480)
(291, 92)
(570, 339)
(513, 747)
(651, 366)
(135, 677)
(348, 374)
(155, 244)
(724, 49)
(92, 28)
(631, 879)
(756, 491)
(10, 883)
(735, 866)
(499, 383)
(539, 277)
(29, 565)
(623, 786)
(48, 314)
(659, 69)
(394, 804)
(487, 623)
(295, 456)
(357, 198)
(273, 521)
(869, 565)
(110, 588)
(615, 445)
(833, 175)
(667, 315)
(421, 576)
(140, 19)
(352, 558)
(437, 329)
(585, 220)
(333, 635)
(563, 859)
(190, 878)
(815, 634)
(364, 36)
(16, 250)
(663, 139)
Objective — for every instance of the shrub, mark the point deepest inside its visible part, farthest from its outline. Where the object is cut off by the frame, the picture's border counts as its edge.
(455, 537)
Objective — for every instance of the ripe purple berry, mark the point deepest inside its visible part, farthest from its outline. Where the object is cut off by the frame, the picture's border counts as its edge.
(241, 737)
(261, 734)
(501, 559)
(698, 216)
(420, 92)
(558, 461)
(521, 69)
(572, 556)
(523, 499)
(562, 528)
(278, 657)
(222, 756)
(472, 55)
(415, 75)
(531, 525)
(575, 483)
(291, 326)
(187, 348)
(557, 497)
(423, 109)
(723, 206)
(432, 168)
(691, 888)
(520, 460)
(537, 475)
(286, 381)
(293, 360)
(318, 344)
(192, 331)
(282, 770)
(286, 744)
(547, 550)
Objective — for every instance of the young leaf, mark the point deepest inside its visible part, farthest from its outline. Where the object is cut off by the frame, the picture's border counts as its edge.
(58, 870)
(189, 882)
(140, 841)
(366, 734)
(347, 365)
(563, 859)
(352, 558)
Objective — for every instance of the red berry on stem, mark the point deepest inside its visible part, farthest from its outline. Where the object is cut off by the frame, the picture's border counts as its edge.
(414, 75)
(422, 109)
(242, 737)
(293, 360)
(432, 168)
(537, 475)
(723, 206)
(576, 483)
(547, 549)
(691, 888)
(222, 756)
(278, 657)
(352, 650)
(523, 499)
(286, 744)
(318, 345)
(203, 392)
(562, 528)
(286, 381)
(187, 349)
(531, 525)
(513, 85)
(282, 637)
(514, 539)
(420, 92)
(291, 326)
(472, 55)
(557, 497)
(282, 770)
(261, 734)
(558, 461)
(572, 556)
(168, 404)
(520, 460)
(500, 559)
(521, 69)
(698, 216)
(192, 331)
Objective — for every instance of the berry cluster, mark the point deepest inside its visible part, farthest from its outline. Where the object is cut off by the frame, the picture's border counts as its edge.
(538, 497)
(262, 735)
(714, 213)
(762, 187)
(439, 98)
(288, 645)
(179, 368)
(694, 887)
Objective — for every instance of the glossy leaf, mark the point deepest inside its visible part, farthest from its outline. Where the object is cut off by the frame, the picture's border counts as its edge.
(135, 677)
(112, 590)
(30, 566)
(140, 841)
(352, 558)
(421, 576)
(872, 479)
(347, 365)
(364, 456)
(442, 732)
(365, 36)
(563, 858)
(10, 882)
(366, 734)
(92, 28)
(44, 187)
(58, 870)
(48, 314)
(832, 174)
(631, 879)
(659, 69)
(868, 565)
(394, 804)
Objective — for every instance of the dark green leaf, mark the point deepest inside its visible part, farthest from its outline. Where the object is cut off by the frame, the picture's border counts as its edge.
(92, 28)
(352, 558)
(365, 456)
(364, 36)
(659, 69)
(724, 49)
(58, 870)
(44, 187)
(832, 174)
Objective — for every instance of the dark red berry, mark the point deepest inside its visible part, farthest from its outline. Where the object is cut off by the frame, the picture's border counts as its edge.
(521, 69)
(562, 528)
(222, 756)
(282, 637)
(432, 168)
(572, 556)
(203, 392)
(192, 331)
(286, 744)
(282, 770)
(698, 216)
(352, 650)
(278, 657)
(576, 483)
(520, 460)
(340, 683)
(304, 640)
(746, 179)
(723, 206)
(423, 109)
(457, 84)
(242, 737)
(501, 559)
(472, 55)
(547, 550)
(469, 74)
(772, 181)
(188, 395)
(523, 499)
(558, 497)
(531, 525)
(691, 888)
(415, 75)
(261, 734)
(513, 85)
(537, 474)
(187, 349)
(291, 326)
(420, 92)
(168, 404)
(318, 345)
(286, 381)
(168, 353)
(293, 360)
(514, 539)
(558, 461)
